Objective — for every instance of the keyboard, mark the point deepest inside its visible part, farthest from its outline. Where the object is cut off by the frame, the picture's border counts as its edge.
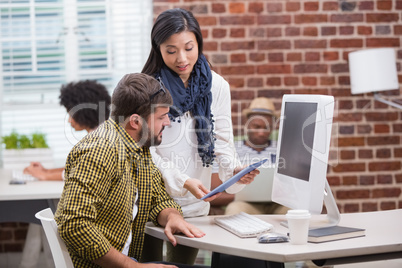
(244, 225)
(19, 175)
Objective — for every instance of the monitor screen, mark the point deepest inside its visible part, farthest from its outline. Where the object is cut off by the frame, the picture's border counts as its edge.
(297, 139)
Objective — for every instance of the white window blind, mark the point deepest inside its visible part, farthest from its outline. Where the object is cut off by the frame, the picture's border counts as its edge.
(47, 43)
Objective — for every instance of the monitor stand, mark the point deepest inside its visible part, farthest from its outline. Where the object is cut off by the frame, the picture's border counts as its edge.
(333, 216)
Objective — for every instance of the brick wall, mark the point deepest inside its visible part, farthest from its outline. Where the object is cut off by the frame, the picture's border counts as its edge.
(270, 48)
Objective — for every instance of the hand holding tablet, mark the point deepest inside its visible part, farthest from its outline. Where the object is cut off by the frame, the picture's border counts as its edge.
(233, 179)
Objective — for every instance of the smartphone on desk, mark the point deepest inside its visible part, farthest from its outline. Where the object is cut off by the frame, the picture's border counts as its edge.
(16, 182)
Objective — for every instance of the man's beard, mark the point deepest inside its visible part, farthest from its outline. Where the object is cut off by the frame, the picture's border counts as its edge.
(151, 139)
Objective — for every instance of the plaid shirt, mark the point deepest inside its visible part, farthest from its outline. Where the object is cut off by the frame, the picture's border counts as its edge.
(95, 211)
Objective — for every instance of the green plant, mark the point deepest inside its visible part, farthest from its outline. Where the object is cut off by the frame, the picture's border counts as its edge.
(16, 141)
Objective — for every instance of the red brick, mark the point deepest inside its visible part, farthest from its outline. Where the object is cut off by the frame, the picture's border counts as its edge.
(398, 5)
(275, 44)
(292, 31)
(255, 82)
(383, 153)
(257, 57)
(383, 140)
(236, 8)
(292, 6)
(238, 58)
(347, 18)
(398, 29)
(346, 130)
(275, 57)
(364, 129)
(219, 33)
(311, 6)
(346, 30)
(255, 7)
(328, 30)
(210, 46)
(366, 5)
(237, 70)
(384, 179)
(274, 81)
(238, 45)
(365, 153)
(367, 207)
(236, 82)
(274, 7)
(237, 20)
(390, 205)
(274, 32)
(307, 18)
(330, 6)
(291, 81)
(366, 180)
(364, 30)
(237, 33)
(312, 56)
(383, 42)
(345, 105)
(381, 128)
(340, 68)
(330, 55)
(310, 68)
(398, 152)
(346, 43)
(242, 94)
(274, 69)
(327, 81)
(344, 80)
(218, 8)
(310, 44)
(385, 166)
(294, 56)
(386, 192)
(274, 19)
(349, 180)
(382, 17)
(351, 208)
(348, 154)
(310, 31)
(309, 81)
(353, 194)
(207, 21)
(219, 58)
(351, 141)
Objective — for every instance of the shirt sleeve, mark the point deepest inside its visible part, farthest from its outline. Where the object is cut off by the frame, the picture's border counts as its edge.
(173, 178)
(226, 155)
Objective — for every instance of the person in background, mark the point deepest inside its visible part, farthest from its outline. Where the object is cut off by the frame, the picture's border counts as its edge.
(88, 105)
(201, 129)
(112, 187)
(261, 117)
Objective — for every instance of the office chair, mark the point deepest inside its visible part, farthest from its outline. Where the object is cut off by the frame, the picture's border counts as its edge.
(60, 254)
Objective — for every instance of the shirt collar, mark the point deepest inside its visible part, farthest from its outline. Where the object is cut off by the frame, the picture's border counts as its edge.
(130, 144)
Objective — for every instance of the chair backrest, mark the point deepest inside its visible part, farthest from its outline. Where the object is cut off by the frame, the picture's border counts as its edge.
(59, 251)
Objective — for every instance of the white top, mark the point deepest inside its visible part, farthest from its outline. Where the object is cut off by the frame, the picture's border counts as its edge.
(177, 156)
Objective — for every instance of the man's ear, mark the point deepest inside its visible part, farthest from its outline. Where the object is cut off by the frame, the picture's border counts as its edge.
(135, 121)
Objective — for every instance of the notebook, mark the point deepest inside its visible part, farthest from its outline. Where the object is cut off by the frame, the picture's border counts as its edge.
(260, 190)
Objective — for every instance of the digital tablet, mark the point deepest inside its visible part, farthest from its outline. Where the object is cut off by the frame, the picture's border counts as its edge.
(234, 179)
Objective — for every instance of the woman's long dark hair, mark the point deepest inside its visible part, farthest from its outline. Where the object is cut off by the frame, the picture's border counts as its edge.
(168, 23)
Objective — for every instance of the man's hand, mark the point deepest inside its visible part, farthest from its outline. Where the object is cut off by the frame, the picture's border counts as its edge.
(174, 223)
(198, 189)
(249, 177)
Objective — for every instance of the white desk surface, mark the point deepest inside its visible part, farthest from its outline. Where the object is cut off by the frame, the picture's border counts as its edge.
(29, 191)
(383, 235)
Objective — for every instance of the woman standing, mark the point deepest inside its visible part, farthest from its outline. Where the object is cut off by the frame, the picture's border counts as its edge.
(201, 129)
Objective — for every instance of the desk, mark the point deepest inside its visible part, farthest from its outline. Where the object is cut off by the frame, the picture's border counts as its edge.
(383, 240)
(20, 202)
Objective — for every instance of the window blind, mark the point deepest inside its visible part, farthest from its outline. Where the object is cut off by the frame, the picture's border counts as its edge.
(47, 43)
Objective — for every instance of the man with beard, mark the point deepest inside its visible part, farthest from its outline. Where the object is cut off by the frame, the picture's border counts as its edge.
(112, 186)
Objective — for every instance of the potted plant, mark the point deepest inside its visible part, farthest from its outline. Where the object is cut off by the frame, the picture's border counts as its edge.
(20, 150)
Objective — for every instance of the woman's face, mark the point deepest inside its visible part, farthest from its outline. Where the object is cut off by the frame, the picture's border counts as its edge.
(180, 53)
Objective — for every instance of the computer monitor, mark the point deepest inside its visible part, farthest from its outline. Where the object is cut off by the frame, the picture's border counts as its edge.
(300, 180)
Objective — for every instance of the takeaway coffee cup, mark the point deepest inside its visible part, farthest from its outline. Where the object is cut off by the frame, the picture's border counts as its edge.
(298, 223)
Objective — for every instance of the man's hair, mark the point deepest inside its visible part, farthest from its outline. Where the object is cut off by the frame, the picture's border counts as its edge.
(138, 93)
(87, 102)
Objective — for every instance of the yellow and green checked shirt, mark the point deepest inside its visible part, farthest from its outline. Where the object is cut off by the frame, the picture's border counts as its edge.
(95, 211)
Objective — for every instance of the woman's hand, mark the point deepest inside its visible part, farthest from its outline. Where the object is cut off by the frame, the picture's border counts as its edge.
(198, 189)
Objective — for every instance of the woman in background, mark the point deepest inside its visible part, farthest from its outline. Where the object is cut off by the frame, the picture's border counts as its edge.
(201, 128)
